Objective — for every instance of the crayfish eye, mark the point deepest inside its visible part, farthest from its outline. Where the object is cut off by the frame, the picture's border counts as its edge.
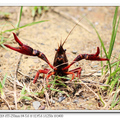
(56, 49)
(64, 49)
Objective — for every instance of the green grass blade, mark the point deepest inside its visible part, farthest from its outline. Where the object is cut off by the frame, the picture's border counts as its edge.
(29, 24)
(45, 8)
(23, 91)
(3, 82)
(5, 13)
(115, 72)
(4, 79)
(115, 96)
(39, 10)
(34, 10)
(118, 63)
(1, 43)
(1, 85)
(101, 100)
(113, 83)
(101, 61)
(35, 93)
(113, 104)
(114, 31)
(61, 83)
(1, 91)
(26, 98)
(102, 44)
(56, 90)
(18, 24)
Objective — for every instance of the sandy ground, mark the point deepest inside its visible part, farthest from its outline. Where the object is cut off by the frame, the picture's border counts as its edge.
(45, 37)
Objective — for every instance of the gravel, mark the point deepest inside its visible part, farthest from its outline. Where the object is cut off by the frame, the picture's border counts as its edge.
(61, 98)
(74, 51)
(76, 101)
(36, 105)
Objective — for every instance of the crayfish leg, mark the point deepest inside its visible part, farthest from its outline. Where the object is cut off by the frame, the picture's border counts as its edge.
(52, 73)
(73, 75)
(77, 70)
(45, 71)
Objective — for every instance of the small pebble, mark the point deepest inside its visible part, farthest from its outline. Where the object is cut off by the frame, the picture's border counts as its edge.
(82, 96)
(68, 30)
(42, 107)
(75, 101)
(99, 71)
(7, 55)
(68, 103)
(61, 99)
(80, 106)
(76, 64)
(89, 9)
(36, 105)
(95, 66)
(53, 101)
(36, 60)
(97, 74)
(44, 65)
(96, 23)
(82, 9)
(42, 43)
(83, 71)
(86, 99)
(60, 94)
(74, 51)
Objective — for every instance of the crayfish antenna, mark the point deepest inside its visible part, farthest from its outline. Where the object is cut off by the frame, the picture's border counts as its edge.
(69, 34)
(72, 30)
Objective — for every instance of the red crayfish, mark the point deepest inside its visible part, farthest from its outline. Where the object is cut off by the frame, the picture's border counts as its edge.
(60, 65)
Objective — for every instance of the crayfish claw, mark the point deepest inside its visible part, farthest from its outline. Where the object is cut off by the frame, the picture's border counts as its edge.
(24, 49)
(17, 40)
(98, 51)
(13, 48)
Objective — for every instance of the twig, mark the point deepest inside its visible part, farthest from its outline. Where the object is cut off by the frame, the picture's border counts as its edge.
(19, 84)
(46, 94)
(90, 89)
(110, 99)
(18, 65)
(24, 74)
(15, 96)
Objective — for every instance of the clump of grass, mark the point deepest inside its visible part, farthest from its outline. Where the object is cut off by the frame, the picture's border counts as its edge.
(116, 98)
(5, 15)
(39, 10)
(24, 94)
(112, 41)
(57, 82)
(113, 78)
